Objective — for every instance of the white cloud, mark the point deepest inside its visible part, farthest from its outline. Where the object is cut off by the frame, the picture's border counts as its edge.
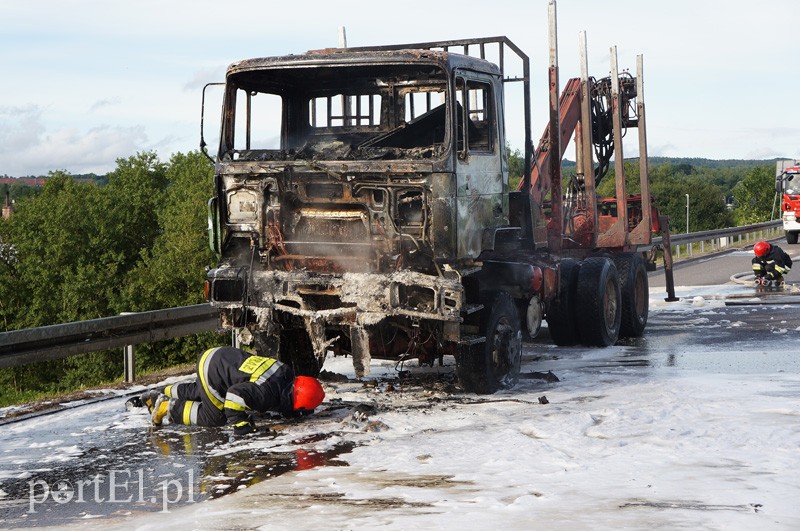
(104, 103)
(27, 147)
(19, 127)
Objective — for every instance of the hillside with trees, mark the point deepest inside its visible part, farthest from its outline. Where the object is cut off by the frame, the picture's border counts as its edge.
(78, 250)
(722, 193)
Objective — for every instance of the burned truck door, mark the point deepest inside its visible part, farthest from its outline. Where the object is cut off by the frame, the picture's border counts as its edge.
(482, 198)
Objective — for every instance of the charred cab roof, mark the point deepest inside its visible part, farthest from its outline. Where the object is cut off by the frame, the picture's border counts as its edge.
(346, 57)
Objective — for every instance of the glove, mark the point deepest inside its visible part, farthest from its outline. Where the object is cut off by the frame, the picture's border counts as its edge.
(244, 428)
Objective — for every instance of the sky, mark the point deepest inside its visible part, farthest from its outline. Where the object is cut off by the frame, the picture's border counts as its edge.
(685, 435)
(86, 82)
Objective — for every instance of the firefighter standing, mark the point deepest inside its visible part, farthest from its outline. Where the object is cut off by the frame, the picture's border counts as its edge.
(231, 384)
(770, 264)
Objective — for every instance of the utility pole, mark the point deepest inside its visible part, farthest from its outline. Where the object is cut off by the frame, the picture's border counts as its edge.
(687, 213)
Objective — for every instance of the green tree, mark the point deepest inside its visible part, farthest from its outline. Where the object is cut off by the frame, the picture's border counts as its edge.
(607, 187)
(707, 207)
(75, 243)
(73, 246)
(172, 271)
(50, 234)
(516, 166)
(755, 195)
(133, 199)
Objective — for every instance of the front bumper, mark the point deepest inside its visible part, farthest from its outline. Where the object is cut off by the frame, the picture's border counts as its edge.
(360, 299)
(790, 222)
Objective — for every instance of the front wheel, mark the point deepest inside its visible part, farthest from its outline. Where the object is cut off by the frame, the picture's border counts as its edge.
(494, 364)
(791, 237)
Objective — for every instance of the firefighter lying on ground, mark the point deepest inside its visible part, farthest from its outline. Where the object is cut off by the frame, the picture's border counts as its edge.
(231, 384)
(770, 264)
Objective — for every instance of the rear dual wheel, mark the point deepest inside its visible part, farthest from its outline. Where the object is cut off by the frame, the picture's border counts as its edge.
(587, 309)
(560, 313)
(635, 291)
(598, 310)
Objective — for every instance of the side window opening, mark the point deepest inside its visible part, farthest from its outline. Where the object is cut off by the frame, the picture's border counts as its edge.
(258, 121)
(475, 109)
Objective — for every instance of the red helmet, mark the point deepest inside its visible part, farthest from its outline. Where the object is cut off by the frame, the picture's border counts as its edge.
(307, 394)
(762, 249)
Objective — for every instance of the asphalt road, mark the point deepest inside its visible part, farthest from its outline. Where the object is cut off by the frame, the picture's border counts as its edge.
(718, 268)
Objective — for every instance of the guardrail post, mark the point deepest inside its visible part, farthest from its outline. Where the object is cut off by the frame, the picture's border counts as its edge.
(129, 358)
(130, 364)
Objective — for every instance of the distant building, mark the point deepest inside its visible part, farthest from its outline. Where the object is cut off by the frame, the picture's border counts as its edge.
(30, 181)
(7, 207)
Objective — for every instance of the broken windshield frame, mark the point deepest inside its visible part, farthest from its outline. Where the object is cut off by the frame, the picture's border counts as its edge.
(343, 112)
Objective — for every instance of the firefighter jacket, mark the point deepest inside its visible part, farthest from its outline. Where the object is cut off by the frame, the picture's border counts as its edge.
(239, 383)
(774, 265)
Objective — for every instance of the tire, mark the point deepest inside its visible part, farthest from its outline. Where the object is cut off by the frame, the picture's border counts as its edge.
(560, 315)
(494, 364)
(635, 293)
(599, 311)
(791, 237)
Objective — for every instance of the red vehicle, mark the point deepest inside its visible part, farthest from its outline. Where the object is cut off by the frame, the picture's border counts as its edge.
(787, 183)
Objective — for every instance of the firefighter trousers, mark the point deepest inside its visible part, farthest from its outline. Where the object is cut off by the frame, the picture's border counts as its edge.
(190, 405)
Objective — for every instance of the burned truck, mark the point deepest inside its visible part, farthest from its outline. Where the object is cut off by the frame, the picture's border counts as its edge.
(362, 207)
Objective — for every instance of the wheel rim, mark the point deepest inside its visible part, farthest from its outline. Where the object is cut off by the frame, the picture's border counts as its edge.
(533, 316)
(610, 305)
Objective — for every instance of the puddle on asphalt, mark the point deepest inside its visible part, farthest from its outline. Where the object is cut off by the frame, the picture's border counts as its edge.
(139, 471)
(231, 472)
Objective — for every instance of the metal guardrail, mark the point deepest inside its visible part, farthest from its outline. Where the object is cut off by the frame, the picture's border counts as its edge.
(770, 228)
(53, 342)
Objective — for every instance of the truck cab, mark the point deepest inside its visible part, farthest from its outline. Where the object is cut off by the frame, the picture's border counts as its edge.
(353, 192)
